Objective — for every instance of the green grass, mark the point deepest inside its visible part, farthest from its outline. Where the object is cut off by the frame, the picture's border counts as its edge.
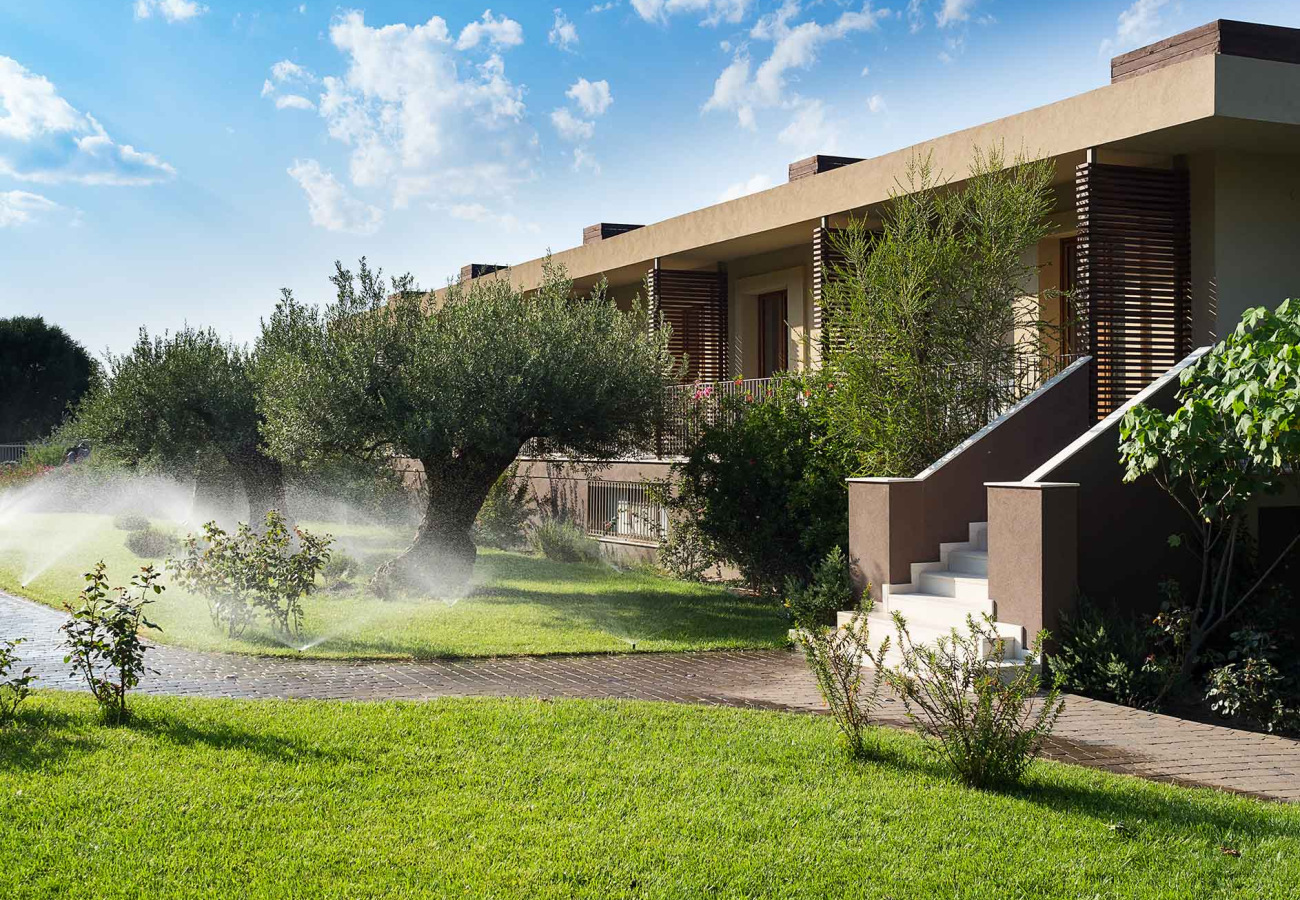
(493, 798)
(520, 605)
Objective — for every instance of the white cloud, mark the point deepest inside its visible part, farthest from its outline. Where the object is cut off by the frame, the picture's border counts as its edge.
(954, 11)
(603, 7)
(44, 139)
(288, 70)
(302, 9)
(21, 207)
(711, 11)
(570, 127)
(171, 10)
(755, 184)
(876, 103)
(743, 89)
(564, 34)
(809, 131)
(584, 161)
(592, 97)
(293, 101)
(477, 212)
(420, 119)
(329, 203)
(500, 32)
(1137, 25)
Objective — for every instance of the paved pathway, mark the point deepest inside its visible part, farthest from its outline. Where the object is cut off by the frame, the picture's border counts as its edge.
(1090, 732)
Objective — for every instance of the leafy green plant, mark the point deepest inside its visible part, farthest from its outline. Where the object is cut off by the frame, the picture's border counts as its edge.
(102, 635)
(830, 591)
(985, 719)
(500, 523)
(247, 573)
(563, 540)
(14, 688)
(1230, 440)
(1117, 657)
(130, 522)
(338, 568)
(762, 487)
(150, 543)
(919, 310)
(851, 689)
(684, 552)
(43, 372)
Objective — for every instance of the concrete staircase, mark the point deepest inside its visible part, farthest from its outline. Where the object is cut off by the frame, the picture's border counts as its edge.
(939, 598)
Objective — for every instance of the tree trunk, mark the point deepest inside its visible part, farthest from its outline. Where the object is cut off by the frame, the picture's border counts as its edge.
(263, 480)
(440, 562)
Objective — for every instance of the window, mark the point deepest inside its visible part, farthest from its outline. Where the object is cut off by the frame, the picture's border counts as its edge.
(772, 344)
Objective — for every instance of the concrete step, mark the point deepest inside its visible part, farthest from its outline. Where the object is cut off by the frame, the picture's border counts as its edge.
(969, 562)
(959, 585)
(979, 535)
(925, 607)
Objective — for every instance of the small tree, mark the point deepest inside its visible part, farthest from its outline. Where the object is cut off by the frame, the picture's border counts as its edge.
(930, 333)
(103, 637)
(42, 373)
(1231, 440)
(459, 385)
(178, 396)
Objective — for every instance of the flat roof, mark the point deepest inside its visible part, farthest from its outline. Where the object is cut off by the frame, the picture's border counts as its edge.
(1203, 103)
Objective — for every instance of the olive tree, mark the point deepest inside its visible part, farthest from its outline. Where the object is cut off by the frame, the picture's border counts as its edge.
(175, 397)
(459, 383)
(1232, 439)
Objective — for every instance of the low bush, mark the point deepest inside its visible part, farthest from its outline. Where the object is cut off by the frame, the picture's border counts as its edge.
(562, 540)
(247, 573)
(765, 485)
(130, 522)
(14, 688)
(500, 522)
(684, 552)
(851, 689)
(150, 543)
(1106, 656)
(829, 592)
(985, 721)
(339, 568)
(102, 635)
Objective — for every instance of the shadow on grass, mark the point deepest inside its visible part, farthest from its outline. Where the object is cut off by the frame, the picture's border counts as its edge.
(40, 737)
(224, 736)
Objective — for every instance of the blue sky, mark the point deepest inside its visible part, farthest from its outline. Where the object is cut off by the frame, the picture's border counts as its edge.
(172, 161)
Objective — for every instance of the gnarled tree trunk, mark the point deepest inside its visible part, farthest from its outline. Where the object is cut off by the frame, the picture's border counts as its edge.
(440, 562)
(263, 480)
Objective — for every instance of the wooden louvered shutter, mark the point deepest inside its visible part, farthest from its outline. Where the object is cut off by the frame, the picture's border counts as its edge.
(694, 303)
(1132, 276)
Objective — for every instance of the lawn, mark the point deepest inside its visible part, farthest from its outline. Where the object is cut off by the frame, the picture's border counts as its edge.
(504, 798)
(520, 604)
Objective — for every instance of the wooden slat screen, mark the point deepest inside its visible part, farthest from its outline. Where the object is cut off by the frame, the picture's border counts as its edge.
(825, 258)
(1132, 276)
(694, 303)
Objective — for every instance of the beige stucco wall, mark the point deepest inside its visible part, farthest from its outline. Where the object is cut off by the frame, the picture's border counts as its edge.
(1255, 207)
(746, 277)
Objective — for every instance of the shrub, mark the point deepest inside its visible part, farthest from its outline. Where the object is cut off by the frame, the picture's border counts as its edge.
(562, 540)
(245, 573)
(500, 522)
(829, 591)
(14, 689)
(684, 552)
(1248, 686)
(836, 657)
(1106, 657)
(765, 487)
(338, 568)
(982, 720)
(151, 543)
(103, 637)
(130, 522)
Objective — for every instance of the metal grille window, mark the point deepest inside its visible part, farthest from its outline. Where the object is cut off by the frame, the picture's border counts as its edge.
(624, 510)
(12, 453)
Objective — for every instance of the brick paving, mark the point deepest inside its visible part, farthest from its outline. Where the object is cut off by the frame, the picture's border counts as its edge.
(1089, 733)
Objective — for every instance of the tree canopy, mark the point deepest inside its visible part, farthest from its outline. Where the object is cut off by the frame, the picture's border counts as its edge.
(175, 397)
(42, 372)
(931, 325)
(459, 384)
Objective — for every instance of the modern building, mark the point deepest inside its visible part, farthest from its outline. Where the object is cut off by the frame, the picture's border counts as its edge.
(1177, 206)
